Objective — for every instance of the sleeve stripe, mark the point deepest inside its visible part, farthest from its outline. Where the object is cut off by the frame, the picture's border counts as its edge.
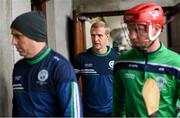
(75, 104)
(72, 100)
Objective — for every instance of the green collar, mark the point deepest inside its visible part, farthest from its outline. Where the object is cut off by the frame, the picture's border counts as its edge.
(101, 55)
(38, 59)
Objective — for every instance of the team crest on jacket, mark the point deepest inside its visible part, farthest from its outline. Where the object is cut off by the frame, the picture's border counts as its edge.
(111, 64)
(161, 82)
(43, 75)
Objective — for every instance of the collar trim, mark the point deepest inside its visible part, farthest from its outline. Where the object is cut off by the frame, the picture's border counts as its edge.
(40, 57)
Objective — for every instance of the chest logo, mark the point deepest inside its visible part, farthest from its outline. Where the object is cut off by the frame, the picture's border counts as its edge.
(43, 75)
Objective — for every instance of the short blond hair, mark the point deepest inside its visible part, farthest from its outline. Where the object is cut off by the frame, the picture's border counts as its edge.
(101, 24)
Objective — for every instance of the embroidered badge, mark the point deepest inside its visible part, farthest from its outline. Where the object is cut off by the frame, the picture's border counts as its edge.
(111, 64)
(43, 75)
(161, 82)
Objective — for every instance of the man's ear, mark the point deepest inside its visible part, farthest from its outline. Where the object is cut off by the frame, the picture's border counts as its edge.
(109, 37)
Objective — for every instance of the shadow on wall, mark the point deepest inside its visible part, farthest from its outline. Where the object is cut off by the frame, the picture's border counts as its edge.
(70, 41)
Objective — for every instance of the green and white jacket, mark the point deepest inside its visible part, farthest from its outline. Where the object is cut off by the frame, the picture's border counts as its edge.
(132, 68)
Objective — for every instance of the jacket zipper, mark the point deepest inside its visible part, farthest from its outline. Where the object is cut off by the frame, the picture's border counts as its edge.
(146, 61)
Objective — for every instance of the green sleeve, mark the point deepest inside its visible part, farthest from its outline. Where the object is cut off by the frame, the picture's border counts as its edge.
(118, 96)
(178, 100)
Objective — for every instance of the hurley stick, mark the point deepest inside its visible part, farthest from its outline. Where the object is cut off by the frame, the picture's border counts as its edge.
(151, 96)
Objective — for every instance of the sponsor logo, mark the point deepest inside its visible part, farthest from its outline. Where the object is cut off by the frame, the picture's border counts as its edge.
(129, 76)
(161, 69)
(56, 58)
(88, 65)
(17, 78)
(85, 71)
(133, 65)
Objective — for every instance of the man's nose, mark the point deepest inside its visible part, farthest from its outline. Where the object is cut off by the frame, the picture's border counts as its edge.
(96, 38)
(132, 34)
(13, 42)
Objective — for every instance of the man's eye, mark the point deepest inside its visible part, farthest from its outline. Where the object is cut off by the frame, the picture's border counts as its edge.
(100, 35)
(92, 35)
(18, 36)
(15, 36)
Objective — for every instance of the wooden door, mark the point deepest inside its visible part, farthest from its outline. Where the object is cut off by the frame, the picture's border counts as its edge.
(79, 34)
